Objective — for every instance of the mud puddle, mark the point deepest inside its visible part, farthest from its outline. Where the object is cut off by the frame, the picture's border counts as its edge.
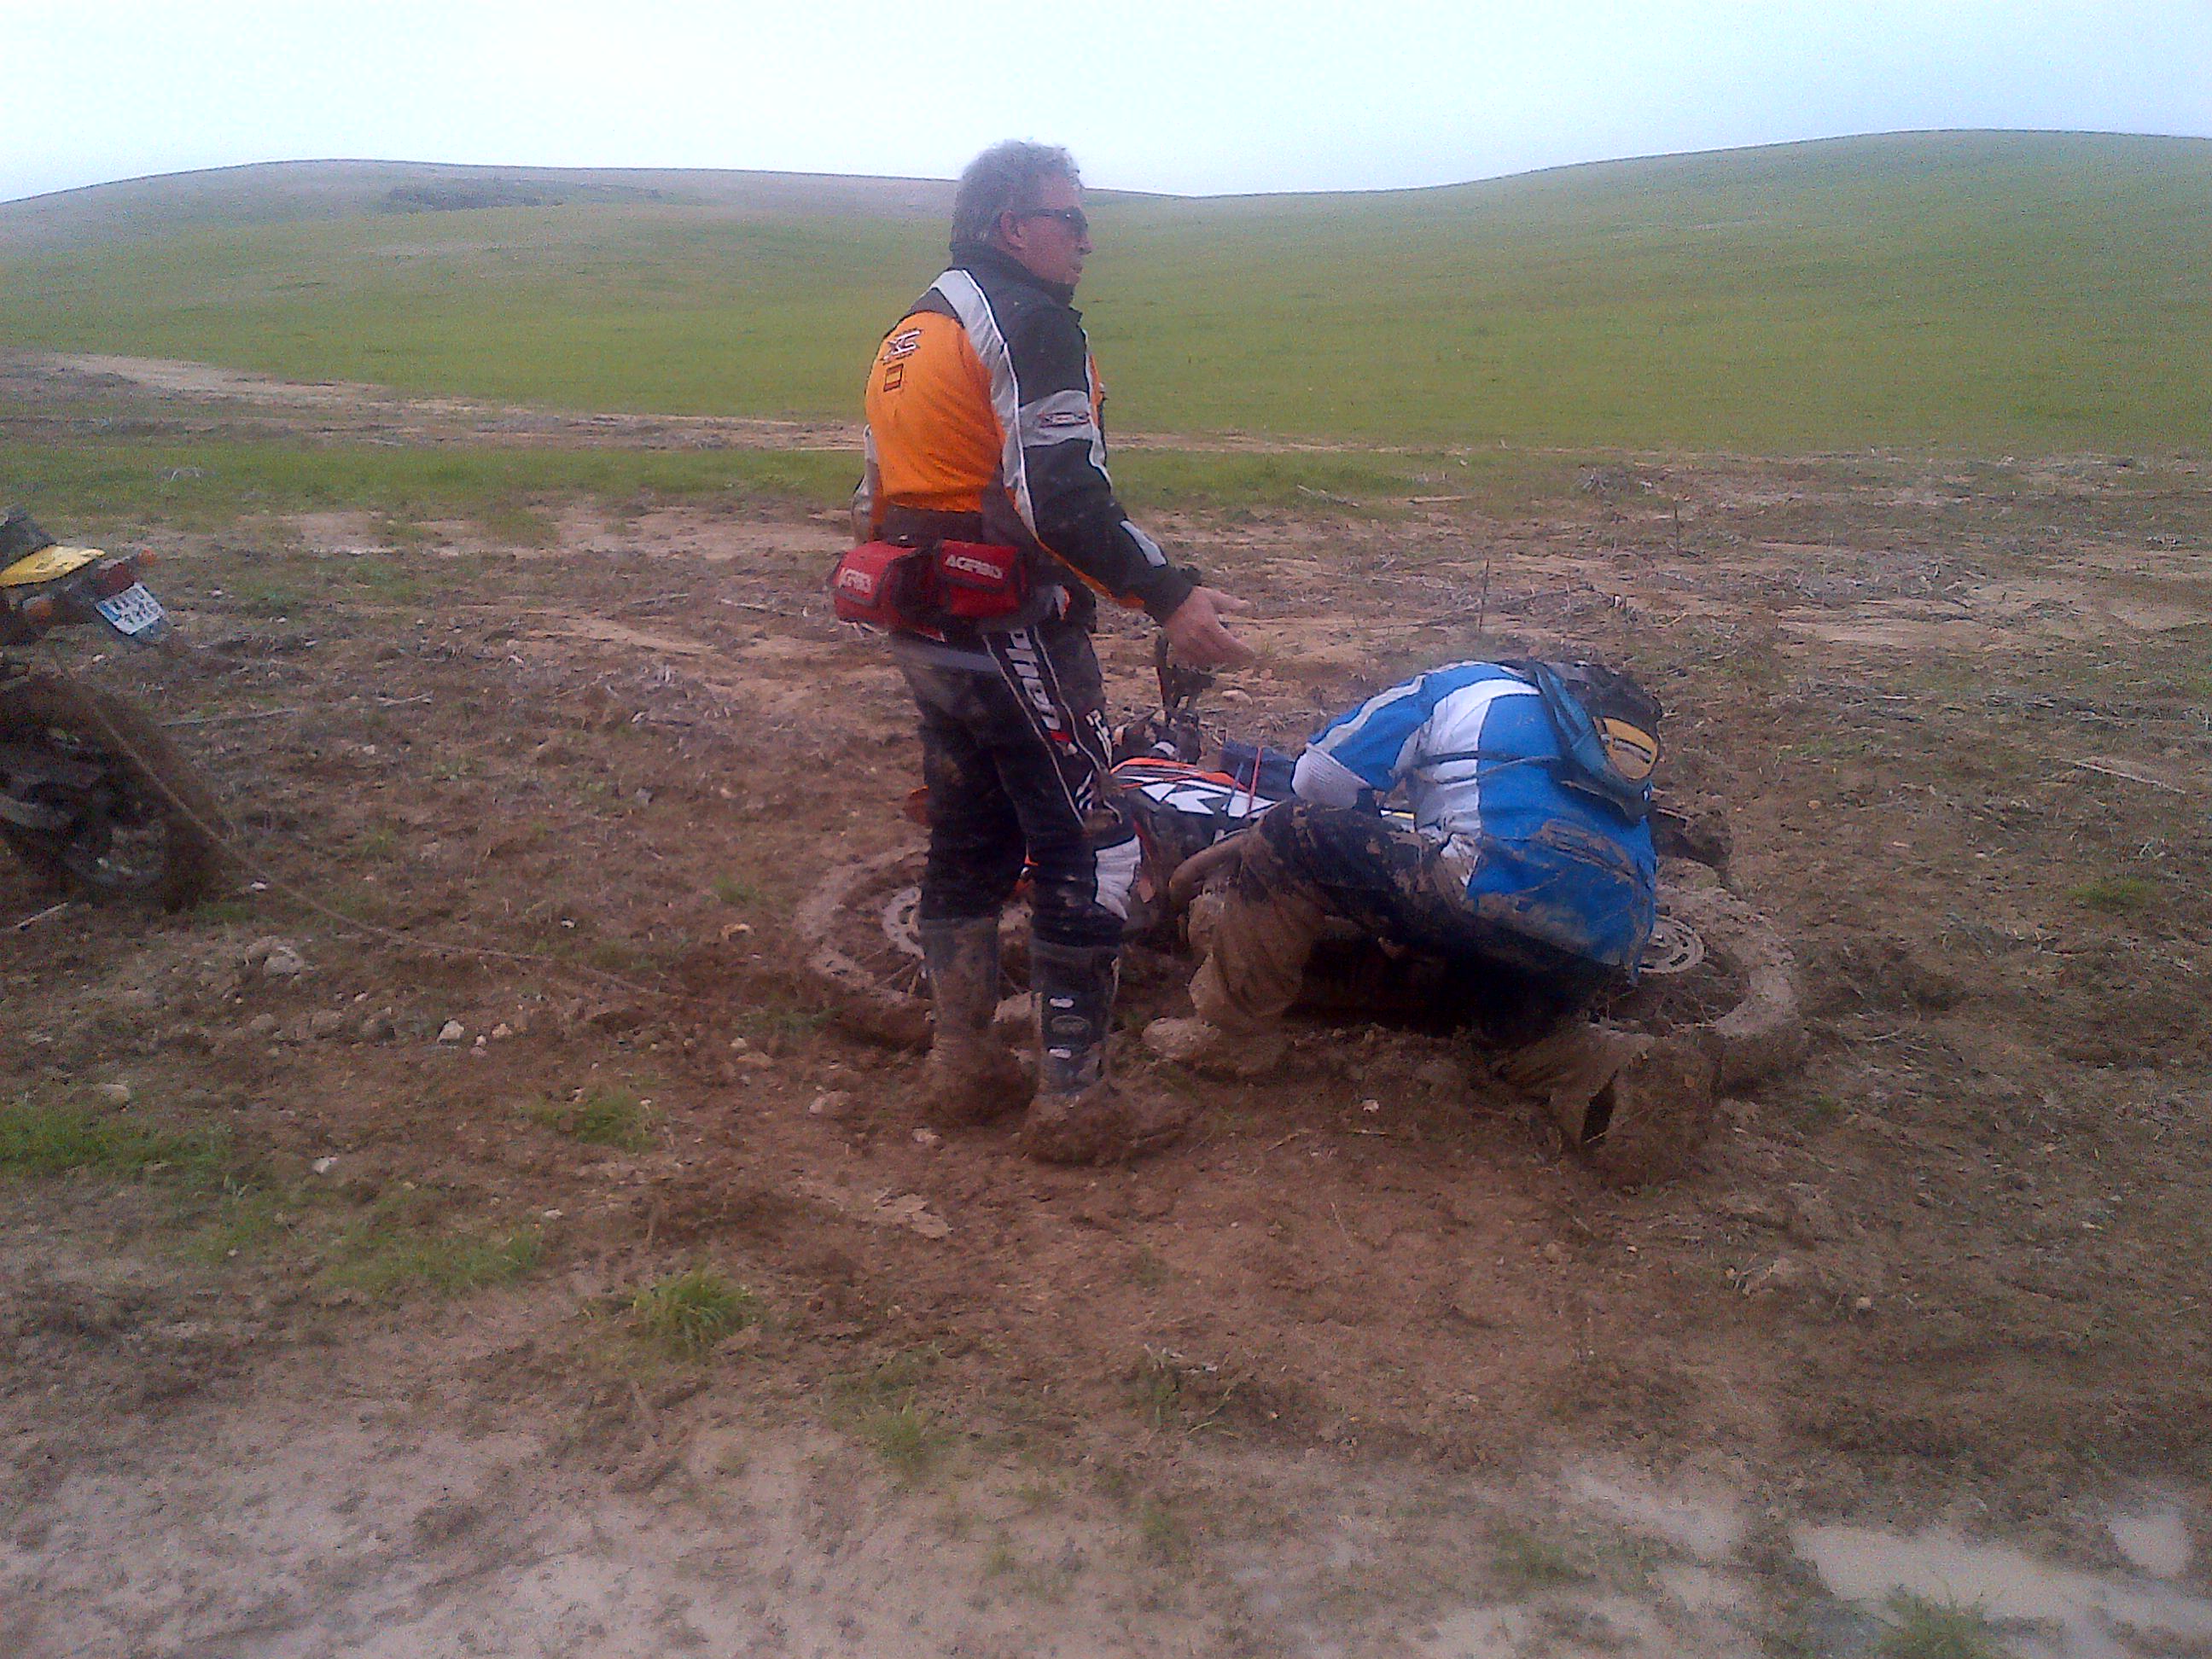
(2044, 1607)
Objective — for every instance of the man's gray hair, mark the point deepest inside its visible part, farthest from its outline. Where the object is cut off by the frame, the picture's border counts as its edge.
(1005, 178)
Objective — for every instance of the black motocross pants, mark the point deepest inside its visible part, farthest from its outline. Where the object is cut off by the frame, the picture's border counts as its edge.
(1015, 750)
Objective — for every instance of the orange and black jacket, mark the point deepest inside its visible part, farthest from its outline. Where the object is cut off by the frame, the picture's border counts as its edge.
(984, 424)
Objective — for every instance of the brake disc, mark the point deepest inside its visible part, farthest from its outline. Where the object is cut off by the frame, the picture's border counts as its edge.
(1675, 948)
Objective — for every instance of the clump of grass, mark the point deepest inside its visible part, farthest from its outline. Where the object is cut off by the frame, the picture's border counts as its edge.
(1186, 478)
(213, 481)
(773, 1022)
(360, 902)
(407, 534)
(246, 1219)
(1822, 1111)
(954, 1522)
(2116, 895)
(880, 1406)
(1045, 1580)
(691, 1313)
(897, 1377)
(228, 1209)
(383, 1259)
(611, 1117)
(1525, 1563)
(599, 1117)
(735, 890)
(906, 1437)
(615, 956)
(56, 1140)
(1165, 1388)
(1039, 1493)
(396, 581)
(1921, 1629)
(261, 596)
(518, 524)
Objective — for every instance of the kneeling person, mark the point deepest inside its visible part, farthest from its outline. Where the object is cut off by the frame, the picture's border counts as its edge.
(1527, 861)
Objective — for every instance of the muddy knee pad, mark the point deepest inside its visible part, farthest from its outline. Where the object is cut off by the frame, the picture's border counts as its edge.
(1258, 939)
(1079, 891)
(1210, 993)
(1276, 858)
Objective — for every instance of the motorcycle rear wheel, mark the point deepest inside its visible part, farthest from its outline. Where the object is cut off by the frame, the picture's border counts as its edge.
(148, 829)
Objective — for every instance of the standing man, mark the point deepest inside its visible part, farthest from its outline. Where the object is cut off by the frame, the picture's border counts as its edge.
(984, 429)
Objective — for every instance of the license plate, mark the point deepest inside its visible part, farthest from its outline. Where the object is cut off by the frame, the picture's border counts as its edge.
(133, 612)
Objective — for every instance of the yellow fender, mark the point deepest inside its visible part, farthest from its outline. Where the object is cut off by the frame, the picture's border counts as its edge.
(48, 564)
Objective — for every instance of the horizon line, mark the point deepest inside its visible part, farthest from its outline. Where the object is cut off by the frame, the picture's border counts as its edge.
(1104, 190)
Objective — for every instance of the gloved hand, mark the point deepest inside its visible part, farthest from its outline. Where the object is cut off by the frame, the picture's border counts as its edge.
(1196, 630)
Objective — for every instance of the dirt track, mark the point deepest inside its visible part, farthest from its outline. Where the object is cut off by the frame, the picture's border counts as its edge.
(43, 395)
(1369, 1367)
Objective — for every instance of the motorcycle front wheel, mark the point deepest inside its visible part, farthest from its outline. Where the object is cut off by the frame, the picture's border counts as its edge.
(126, 817)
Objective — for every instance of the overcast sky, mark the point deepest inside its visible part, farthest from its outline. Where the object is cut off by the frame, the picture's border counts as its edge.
(1193, 98)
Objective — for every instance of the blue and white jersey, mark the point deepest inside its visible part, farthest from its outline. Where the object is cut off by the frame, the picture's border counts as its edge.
(1551, 862)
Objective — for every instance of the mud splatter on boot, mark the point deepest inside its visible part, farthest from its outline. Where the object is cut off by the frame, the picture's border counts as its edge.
(1217, 1051)
(1657, 1114)
(1079, 1115)
(1638, 1108)
(1256, 936)
(1570, 1070)
(970, 1077)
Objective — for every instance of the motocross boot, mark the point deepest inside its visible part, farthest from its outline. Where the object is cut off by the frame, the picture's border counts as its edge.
(1638, 1105)
(970, 1077)
(1569, 1069)
(1657, 1115)
(1223, 1040)
(1079, 1115)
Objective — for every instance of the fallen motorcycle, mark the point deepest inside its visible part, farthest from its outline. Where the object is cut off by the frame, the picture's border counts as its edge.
(93, 795)
(1714, 969)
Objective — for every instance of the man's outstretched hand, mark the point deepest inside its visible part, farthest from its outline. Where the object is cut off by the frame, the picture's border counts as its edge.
(1196, 630)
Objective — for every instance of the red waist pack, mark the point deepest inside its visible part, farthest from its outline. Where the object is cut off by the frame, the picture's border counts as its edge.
(886, 585)
(879, 583)
(978, 582)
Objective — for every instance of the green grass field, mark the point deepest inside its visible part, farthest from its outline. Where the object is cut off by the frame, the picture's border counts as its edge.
(208, 484)
(1978, 291)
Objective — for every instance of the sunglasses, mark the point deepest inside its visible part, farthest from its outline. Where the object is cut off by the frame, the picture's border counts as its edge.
(1073, 218)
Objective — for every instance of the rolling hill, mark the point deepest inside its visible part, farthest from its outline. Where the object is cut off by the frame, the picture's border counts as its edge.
(1978, 290)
